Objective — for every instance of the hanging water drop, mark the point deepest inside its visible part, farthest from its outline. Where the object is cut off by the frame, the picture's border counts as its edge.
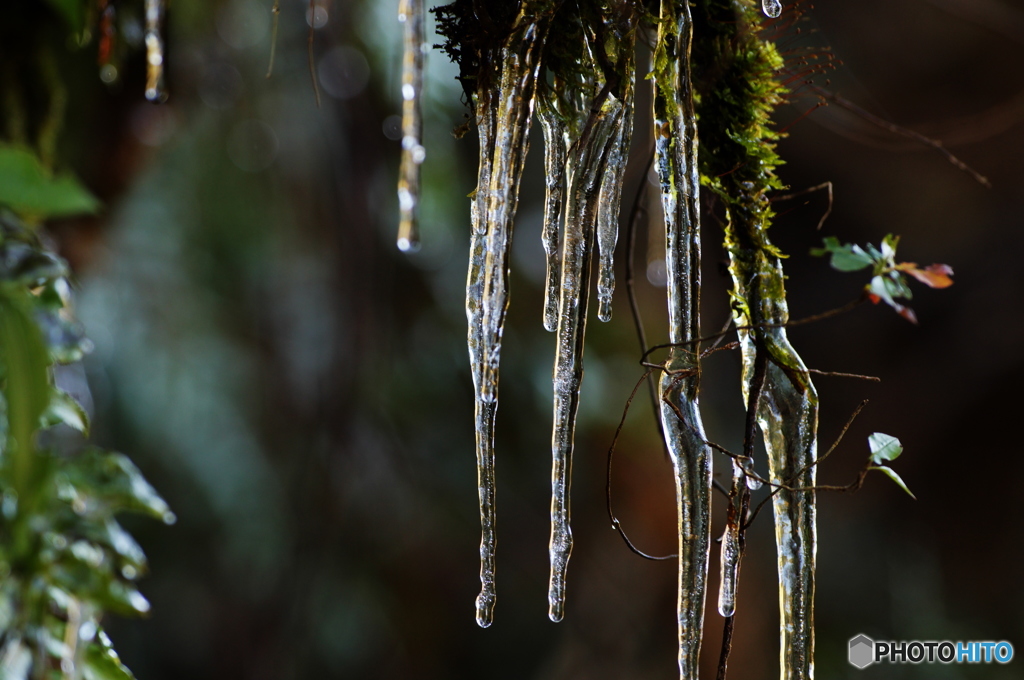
(410, 13)
(772, 8)
(155, 89)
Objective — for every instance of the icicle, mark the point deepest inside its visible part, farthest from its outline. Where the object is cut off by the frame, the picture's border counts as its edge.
(504, 107)
(555, 143)
(591, 164)
(730, 560)
(611, 191)
(599, 129)
(410, 13)
(772, 8)
(485, 409)
(155, 89)
(675, 131)
(788, 418)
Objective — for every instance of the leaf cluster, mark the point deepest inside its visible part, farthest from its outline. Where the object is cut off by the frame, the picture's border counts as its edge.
(65, 559)
(888, 278)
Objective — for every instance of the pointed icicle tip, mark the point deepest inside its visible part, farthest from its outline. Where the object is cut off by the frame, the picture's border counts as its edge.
(772, 8)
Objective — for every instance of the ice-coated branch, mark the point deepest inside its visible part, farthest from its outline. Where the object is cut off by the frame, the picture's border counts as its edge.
(675, 133)
(410, 13)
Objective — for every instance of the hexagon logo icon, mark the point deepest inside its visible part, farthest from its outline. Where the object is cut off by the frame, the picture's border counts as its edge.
(862, 651)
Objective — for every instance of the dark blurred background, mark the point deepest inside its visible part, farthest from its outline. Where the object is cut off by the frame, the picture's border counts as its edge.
(298, 389)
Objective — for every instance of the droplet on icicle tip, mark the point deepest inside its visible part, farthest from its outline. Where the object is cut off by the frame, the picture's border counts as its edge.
(772, 8)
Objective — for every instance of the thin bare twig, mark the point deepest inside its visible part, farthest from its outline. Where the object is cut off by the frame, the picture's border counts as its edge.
(309, 51)
(821, 459)
(838, 374)
(638, 209)
(900, 130)
(616, 524)
(276, 12)
(803, 192)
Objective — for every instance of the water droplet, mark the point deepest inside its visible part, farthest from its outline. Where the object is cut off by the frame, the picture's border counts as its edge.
(343, 72)
(772, 8)
(220, 86)
(243, 23)
(656, 273)
(392, 127)
(252, 145)
(317, 17)
(108, 73)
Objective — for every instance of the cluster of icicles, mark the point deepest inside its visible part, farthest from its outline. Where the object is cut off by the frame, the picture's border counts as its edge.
(587, 128)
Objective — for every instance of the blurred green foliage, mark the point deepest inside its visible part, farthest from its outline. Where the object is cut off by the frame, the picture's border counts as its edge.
(65, 560)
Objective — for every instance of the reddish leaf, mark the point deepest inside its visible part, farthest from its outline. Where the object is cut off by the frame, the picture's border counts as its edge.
(934, 275)
(907, 313)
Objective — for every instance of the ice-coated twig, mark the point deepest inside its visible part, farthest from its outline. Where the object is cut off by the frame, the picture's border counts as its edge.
(155, 89)
(788, 418)
(675, 132)
(410, 13)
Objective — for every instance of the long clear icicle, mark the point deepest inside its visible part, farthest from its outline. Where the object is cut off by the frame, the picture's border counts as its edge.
(577, 255)
(675, 132)
(485, 409)
(155, 89)
(555, 150)
(503, 111)
(410, 13)
(596, 160)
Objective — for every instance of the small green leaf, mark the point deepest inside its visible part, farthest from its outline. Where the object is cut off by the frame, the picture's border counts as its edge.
(877, 287)
(26, 391)
(103, 663)
(894, 477)
(106, 482)
(28, 188)
(64, 409)
(845, 258)
(884, 448)
(26, 264)
(889, 244)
